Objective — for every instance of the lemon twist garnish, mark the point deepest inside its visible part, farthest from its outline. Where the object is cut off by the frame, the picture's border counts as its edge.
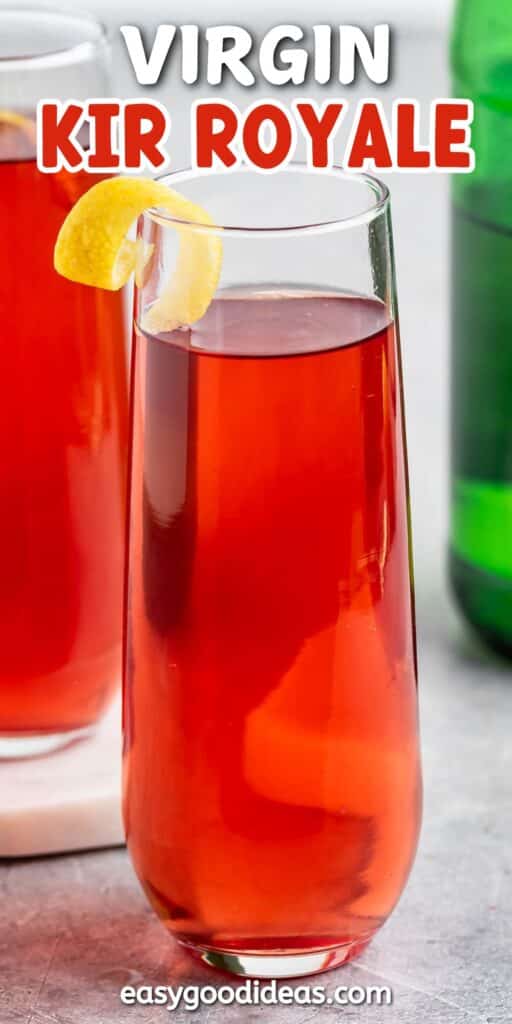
(11, 117)
(18, 134)
(92, 247)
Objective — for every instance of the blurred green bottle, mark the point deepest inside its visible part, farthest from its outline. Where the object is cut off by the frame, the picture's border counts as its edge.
(481, 374)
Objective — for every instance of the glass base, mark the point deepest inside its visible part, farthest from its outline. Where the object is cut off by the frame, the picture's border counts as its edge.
(14, 746)
(279, 965)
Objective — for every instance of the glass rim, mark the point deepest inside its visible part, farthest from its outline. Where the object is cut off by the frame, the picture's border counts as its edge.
(376, 188)
(74, 50)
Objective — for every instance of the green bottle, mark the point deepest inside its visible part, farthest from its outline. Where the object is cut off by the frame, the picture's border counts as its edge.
(481, 373)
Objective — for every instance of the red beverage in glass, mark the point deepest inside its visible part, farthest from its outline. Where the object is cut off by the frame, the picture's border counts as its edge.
(272, 793)
(63, 427)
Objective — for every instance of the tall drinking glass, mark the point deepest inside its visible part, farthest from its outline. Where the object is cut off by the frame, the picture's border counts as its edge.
(63, 413)
(272, 779)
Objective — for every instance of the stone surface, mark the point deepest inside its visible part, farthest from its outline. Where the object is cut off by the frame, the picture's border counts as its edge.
(75, 929)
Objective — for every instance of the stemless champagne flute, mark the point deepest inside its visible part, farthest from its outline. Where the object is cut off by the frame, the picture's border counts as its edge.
(63, 413)
(272, 777)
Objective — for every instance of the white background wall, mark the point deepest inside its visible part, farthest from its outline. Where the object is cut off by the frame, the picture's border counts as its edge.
(402, 14)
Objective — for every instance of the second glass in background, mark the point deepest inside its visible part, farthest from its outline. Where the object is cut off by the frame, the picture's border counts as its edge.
(63, 413)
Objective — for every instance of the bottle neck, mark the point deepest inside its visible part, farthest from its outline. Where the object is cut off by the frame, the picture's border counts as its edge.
(481, 51)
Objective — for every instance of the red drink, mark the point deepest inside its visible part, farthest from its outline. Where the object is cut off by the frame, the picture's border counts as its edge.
(272, 792)
(63, 426)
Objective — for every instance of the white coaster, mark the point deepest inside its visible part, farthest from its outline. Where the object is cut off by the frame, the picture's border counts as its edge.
(68, 800)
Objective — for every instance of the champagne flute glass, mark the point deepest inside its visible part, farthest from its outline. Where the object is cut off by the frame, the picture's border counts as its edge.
(272, 777)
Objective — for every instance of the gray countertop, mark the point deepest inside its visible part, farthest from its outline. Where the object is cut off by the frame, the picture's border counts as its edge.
(74, 929)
